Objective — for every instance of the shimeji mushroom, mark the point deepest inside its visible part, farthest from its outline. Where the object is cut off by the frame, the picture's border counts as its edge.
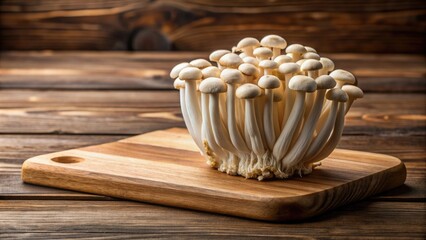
(288, 70)
(310, 49)
(247, 45)
(327, 66)
(295, 51)
(232, 77)
(191, 75)
(302, 85)
(251, 60)
(277, 125)
(311, 66)
(311, 55)
(249, 92)
(299, 149)
(216, 55)
(275, 42)
(215, 154)
(354, 93)
(269, 82)
(262, 53)
(200, 63)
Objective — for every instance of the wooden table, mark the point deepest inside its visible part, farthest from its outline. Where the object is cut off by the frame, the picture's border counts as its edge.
(51, 101)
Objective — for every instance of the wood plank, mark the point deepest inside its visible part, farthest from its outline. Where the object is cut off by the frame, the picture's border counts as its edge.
(204, 25)
(115, 220)
(120, 70)
(14, 149)
(133, 112)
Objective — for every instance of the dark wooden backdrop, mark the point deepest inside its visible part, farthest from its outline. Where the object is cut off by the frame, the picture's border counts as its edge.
(393, 26)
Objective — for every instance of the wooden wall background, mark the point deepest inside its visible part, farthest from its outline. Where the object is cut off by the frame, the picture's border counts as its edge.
(393, 26)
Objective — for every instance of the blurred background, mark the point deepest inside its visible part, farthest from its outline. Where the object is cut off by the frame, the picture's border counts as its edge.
(358, 26)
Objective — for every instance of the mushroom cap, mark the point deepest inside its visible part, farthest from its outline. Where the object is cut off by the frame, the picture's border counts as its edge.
(249, 69)
(302, 83)
(311, 55)
(216, 55)
(200, 63)
(311, 65)
(230, 60)
(278, 95)
(251, 60)
(190, 74)
(178, 84)
(231, 76)
(295, 48)
(268, 64)
(287, 68)
(310, 49)
(273, 41)
(248, 91)
(212, 85)
(262, 52)
(283, 59)
(343, 76)
(325, 82)
(242, 55)
(211, 71)
(248, 42)
(336, 94)
(174, 73)
(269, 82)
(301, 61)
(327, 64)
(353, 91)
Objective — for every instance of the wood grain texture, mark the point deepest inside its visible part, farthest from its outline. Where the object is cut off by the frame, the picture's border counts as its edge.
(331, 26)
(147, 71)
(130, 220)
(165, 167)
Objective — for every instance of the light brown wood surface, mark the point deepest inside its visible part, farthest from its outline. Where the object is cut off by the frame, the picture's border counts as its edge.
(165, 167)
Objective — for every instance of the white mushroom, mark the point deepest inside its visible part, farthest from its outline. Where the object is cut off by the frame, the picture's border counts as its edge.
(211, 71)
(268, 66)
(300, 84)
(295, 51)
(213, 86)
(249, 92)
(200, 63)
(310, 49)
(251, 60)
(283, 59)
(191, 75)
(247, 45)
(311, 55)
(269, 82)
(354, 93)
(288, 70)
(262, 53)
(232, 77)
(327, 66)
(216, 55)
(275, 42)
(311, 66)
(174, 73)
(342, 77)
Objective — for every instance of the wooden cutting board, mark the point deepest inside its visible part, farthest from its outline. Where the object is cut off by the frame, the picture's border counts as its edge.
(165, 167)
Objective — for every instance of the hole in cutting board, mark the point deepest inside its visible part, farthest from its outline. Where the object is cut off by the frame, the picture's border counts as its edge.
(67, 159)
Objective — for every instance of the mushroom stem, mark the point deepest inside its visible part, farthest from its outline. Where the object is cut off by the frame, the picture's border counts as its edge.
(207, 134)
(268, 119)
(283, 141)
(193, 108)
(299, 149)
(219, 131)
(186, 118)
(235, 135)
(324, 132)
(253, 128)
(289, 100)
(334, 138)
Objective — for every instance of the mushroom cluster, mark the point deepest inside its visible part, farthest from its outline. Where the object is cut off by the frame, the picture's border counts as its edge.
(262, 113)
